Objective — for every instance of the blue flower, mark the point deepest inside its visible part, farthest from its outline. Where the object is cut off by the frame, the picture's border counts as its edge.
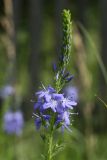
(54, 103)
(51, 104)
(67, 103)
(46, 93)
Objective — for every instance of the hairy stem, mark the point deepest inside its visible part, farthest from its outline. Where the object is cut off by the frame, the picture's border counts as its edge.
(50, 146)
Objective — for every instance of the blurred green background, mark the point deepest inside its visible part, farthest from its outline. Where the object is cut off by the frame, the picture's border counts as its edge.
(30, 41)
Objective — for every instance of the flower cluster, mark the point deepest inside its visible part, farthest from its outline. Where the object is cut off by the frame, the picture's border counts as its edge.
(52, 108)
(13, 122)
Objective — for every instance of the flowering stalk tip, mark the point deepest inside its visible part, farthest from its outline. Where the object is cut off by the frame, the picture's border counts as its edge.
(61, 74)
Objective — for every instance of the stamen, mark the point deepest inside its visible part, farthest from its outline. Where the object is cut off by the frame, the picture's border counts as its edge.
(32, 100)
(43, 86)
(35, 115)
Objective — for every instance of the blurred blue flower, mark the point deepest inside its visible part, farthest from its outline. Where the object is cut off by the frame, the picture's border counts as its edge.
(13, 122)
(6, 91)
(71, 92)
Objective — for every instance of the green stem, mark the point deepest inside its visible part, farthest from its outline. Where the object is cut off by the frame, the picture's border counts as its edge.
(50, 146)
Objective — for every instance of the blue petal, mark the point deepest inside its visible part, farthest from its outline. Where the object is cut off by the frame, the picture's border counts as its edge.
(47, 97)
(60, 109)
(57, 96)
(51, 90)
(36, 105)
(46, 105)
